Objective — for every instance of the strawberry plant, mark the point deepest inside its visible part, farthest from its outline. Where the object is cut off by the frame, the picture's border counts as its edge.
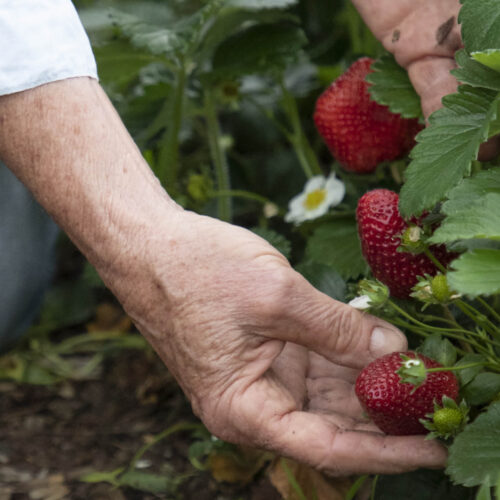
(224, 98)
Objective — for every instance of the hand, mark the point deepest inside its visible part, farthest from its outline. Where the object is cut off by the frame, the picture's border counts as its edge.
(237, 327)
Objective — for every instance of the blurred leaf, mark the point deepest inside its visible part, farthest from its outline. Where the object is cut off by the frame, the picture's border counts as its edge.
(238, 466)
(276, 239)
(391, 86)
(324, 278)
(336, 244)
(260, 49)
(119, 63)
(68, 304)
(475, 454)
(468, 374)
(147, 481)
(476, 273)
(439, 349)
(483, 389)
(36, 374)
(261, 4)
(419, 485)
(109, 317)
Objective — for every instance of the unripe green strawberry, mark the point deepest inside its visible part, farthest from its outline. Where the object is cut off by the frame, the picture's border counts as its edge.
(447, 420)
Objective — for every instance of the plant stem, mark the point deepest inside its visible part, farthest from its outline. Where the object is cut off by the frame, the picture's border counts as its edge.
(297, 138)
(490, 309)
(182, 426)
(218, 156)
(168, 161)
(454, 368)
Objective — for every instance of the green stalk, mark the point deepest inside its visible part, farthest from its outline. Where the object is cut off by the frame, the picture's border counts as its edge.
(297, 138)
(455, 368)
(168, 161)
(247, 195)
(182, 426)
(490, 309)
(218, 156)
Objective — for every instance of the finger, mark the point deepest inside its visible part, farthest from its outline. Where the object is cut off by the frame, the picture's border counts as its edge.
(335, 330)
(320, 367)
(310, 438)
(432, 80)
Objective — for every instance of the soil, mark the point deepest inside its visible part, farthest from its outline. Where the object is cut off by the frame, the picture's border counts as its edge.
(50, 436)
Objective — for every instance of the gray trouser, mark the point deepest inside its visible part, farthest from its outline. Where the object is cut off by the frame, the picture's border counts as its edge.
(27, 240)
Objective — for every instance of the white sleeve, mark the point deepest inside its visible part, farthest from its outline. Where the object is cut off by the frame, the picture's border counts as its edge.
(41, 41)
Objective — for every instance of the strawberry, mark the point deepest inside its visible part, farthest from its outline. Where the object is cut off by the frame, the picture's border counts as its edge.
(359, 132)
(380, 227)
(396, 406)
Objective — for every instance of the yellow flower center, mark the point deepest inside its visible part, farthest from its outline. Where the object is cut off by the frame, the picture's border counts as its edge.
(314, 199)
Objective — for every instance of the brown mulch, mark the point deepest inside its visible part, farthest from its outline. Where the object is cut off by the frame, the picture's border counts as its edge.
(52, 435)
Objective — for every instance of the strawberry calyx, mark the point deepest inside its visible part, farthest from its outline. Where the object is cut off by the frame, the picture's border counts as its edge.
(433, 290)
(447, 420)
(376, 291)
(412, 371)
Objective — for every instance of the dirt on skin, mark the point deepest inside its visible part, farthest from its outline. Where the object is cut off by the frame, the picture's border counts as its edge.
(52, 435)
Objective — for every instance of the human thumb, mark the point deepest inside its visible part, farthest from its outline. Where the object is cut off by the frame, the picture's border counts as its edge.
(333, 329)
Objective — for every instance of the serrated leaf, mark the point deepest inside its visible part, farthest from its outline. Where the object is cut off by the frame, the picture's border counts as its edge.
(261, 4)
(324, 278)
(483, 388)
(439, 349)
(391, 86)
(476, 273)
(446, 149)
(477, 221)
(467, 374)
(147, 481)
(480, 20)
(336, 244)
(490, 58)
(276, 239)
(259, 49)
(475, 74)
(475, 454)
(471, 190)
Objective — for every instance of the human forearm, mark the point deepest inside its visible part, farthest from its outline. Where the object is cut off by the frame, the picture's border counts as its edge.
(66, 143)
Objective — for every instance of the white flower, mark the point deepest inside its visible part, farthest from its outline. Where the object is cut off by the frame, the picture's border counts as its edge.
(362, 302)
(319, 195)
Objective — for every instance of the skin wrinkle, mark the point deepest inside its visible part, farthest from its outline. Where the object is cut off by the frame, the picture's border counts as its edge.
(219, 304)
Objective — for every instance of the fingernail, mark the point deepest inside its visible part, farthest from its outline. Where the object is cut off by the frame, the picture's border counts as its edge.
(384, 341)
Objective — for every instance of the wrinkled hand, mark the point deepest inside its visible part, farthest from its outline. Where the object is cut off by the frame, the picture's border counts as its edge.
(237, 327)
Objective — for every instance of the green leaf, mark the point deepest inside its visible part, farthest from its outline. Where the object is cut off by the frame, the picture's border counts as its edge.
(439, 349)
(476, 273)
(480, 20)
(490, 58)
(484, 493)
(475, 454)
(324, 278)
(471, 190)
(276, 239)
(483, 388)
(391, 87)
(156, 40)
(468, 374)
(419, 485)
(475, 74)
(336, 244)
(147, 481)
(259, 49)
(476, 221)
(446, 149)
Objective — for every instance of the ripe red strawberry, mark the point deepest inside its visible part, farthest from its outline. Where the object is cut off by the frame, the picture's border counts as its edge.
(359, 132)
(396, 407)
(380, 227)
